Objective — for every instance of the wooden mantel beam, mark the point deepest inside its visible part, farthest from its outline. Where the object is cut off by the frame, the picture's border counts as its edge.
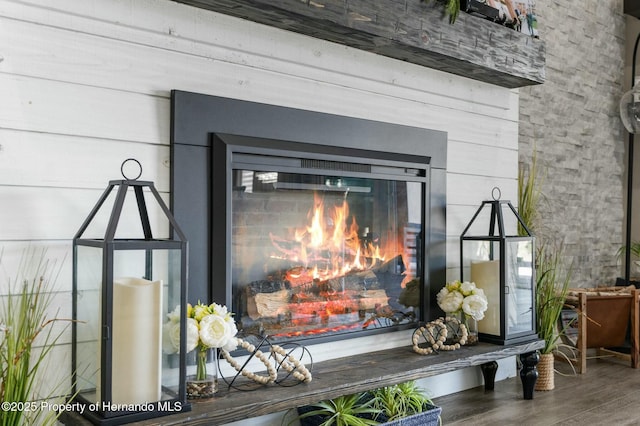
(410, 30)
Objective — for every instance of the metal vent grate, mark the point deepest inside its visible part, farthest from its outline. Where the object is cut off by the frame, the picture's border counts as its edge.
(336, 165)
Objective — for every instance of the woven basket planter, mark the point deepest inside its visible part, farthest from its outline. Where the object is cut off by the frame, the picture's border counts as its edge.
(545, 380)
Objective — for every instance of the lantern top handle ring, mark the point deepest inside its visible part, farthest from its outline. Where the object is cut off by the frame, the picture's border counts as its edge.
(495, 191)
(123, 172)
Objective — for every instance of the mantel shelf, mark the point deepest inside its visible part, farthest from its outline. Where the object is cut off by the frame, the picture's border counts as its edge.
(414, 31)
(331, 379)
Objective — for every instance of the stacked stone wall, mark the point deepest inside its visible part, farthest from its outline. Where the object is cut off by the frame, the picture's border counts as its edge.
(572, 122)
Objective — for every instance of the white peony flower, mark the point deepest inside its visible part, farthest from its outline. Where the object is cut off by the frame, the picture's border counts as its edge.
(193, 334)
(174, 316)
(467, 288)
(215, 331)
(451, 302)
(171, 336)
(231, 345)
(167, 341)
(474, 306)
(442, 294)
(219, 309)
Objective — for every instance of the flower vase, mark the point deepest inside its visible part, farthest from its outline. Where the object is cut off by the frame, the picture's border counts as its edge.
(203, 385)
(455, 332)
(472, 330)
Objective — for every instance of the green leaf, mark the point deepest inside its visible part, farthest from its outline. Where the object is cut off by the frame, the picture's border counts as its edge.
(23, 319)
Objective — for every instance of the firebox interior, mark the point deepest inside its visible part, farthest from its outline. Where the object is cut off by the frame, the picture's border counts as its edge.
(323, 243)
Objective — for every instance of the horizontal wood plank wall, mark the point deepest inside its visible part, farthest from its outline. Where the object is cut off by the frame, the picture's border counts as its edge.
(85, 85)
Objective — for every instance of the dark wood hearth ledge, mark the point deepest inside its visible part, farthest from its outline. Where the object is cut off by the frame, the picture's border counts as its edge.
(334, 378)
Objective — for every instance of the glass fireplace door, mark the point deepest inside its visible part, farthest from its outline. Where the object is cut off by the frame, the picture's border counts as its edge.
(318, 253)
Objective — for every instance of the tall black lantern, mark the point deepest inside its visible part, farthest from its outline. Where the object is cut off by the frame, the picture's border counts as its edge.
(128, 351)
(500, 260)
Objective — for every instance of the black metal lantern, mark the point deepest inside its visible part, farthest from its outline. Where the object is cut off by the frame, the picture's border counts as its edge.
(501, 262)
(128, 351)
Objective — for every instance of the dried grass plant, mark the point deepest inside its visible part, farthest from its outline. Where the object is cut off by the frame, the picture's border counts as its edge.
(552, 285)
(27, 337)
(530, 195)
(552, 277)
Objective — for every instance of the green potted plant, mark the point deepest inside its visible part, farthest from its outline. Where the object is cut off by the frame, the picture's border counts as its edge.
(27, 338)
(347, 410)
(551, 295)
(405, 404)
(551, 285)
(402, 404)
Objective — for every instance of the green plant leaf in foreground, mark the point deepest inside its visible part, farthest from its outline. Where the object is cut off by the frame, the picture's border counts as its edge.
(23, 319)
(344, 411)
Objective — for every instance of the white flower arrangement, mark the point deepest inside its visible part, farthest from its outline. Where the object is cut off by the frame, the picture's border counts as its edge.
(463, 297)
(216, 327)
(208, 326)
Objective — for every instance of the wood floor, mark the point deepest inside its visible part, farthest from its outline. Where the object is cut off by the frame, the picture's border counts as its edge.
(608, 394)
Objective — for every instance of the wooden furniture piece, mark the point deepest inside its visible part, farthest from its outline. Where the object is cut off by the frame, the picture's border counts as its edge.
(607, 316)
(345, 376)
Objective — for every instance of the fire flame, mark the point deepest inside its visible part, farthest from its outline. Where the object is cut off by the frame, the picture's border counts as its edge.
(338, 277)
(330, 245)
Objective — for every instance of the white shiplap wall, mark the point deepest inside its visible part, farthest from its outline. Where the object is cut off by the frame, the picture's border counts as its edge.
(85, 84)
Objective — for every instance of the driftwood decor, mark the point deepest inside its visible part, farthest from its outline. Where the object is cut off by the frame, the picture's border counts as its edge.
(410, 30)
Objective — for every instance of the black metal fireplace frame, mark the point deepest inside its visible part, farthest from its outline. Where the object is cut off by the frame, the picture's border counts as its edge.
(197, 118)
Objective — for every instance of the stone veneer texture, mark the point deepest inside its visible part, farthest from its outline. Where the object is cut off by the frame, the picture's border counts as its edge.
(572, 121)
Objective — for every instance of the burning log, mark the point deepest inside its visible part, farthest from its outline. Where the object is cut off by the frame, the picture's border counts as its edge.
(354, 280)
(299, 276)
(305, 299)
(270, 285)
(268, 304)
(371, 299)
(267, 298)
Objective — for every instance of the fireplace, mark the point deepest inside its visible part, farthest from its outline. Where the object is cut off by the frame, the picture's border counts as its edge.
(324, 240)
(309, 226)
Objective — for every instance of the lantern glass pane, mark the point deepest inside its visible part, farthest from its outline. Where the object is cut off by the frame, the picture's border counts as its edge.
(146, 296)
(510, 221)
(480, 225)
(482, 261)
(88, 296)
(519, 286)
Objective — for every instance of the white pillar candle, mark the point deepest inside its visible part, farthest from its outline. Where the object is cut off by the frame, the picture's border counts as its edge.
(486, 275)
(136, 338)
